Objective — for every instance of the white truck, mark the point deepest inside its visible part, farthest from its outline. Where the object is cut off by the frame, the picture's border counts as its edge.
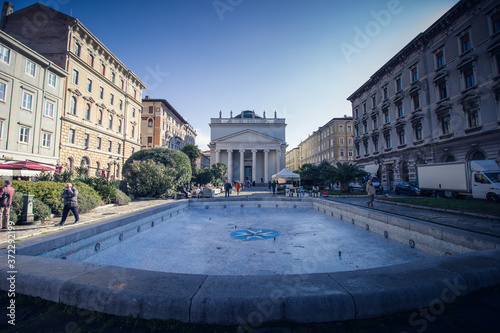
(479, 179)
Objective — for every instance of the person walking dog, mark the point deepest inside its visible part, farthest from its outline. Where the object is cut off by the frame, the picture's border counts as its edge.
(6, 195)
(70, 195)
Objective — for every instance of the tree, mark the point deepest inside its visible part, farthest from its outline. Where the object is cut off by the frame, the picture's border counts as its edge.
(219, 169)
(309, 174)
(204, 176)
(193, 153)
(174, 171)
(344, 173)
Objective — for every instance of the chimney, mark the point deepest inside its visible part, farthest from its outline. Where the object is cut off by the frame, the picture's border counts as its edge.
(147, 97)
(8, 8)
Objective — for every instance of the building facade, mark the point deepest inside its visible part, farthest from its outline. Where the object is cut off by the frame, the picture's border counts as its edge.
(332, 142)
(293, 159)
(437, 100)
(252, 147)
(31, 104)
(163, 126)
(100, 125)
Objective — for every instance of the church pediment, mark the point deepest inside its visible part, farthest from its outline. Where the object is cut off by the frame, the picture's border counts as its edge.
(248, 136)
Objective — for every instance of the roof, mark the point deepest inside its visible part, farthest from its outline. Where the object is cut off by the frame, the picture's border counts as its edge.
(167, 104)
(247, 114)
(285, 173)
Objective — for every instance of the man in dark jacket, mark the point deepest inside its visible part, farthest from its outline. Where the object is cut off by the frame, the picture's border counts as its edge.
(69, 195)
(5, 210)
(227, 187)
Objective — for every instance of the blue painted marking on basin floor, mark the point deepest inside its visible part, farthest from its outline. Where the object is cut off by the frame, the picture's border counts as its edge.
(254, 234)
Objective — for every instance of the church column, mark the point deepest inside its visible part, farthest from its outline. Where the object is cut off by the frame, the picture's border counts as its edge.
(254, 165)
(217, 156)
(266, 165)
(242, 165)
(278, 160)
(229, 165)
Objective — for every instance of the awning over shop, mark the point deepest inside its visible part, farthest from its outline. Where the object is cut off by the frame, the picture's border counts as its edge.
(23, 169)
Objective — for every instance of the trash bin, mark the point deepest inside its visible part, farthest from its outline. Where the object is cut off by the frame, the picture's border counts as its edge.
(27, 215)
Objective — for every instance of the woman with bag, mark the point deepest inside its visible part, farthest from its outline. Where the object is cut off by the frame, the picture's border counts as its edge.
(6, 195)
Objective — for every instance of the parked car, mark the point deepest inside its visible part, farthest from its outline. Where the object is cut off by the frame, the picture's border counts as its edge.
(409, 188)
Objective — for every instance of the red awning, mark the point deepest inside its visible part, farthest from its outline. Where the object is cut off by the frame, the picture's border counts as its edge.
(25, 165)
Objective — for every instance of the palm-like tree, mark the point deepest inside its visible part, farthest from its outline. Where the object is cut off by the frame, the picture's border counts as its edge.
(344, 173)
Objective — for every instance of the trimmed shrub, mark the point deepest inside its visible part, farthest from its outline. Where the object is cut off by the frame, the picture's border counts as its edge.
(86, 203)
(156, 172)
(121, 199)
(40, 210)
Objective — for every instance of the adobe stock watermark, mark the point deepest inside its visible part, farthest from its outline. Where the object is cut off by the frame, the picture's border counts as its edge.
(421, 318)
(155, 75)
(372, 29)
(223, 6)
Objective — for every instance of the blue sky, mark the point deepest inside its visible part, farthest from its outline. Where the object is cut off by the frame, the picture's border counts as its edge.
(299, 58)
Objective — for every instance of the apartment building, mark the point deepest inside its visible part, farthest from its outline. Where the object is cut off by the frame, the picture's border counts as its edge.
(31, 104)
(163, 126)
(332, 142)
(100, 121)
(292, 159)
(437, 99)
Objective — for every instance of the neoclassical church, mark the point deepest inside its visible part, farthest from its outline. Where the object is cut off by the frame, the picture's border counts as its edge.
(253, 147)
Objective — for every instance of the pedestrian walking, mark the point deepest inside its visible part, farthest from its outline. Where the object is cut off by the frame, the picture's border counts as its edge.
(273, 185)
(70, 195)
(6, 195)
(227, 187)
(370, 189)
(237, 186)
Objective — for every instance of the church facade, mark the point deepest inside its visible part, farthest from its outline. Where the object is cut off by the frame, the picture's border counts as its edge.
(253, 147)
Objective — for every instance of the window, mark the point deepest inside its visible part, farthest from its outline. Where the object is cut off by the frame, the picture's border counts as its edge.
(374, 101)
(349, 141)
(1, 129)
(86, 141)
(72, 105)
(113, 77)
(3, 90)
(416, 102)
(89, 85)
(123, 84)
(135, 94)
(133, 112)
(87, 111)
(350, 153)
(387, 138)
(356, 129)
(439, 59)
(349, 128)
(4, 54)
(150, 140)
(398, 84)
(119, 149)
(49, 109)
(375, 144)
(151, 109)
(71, 136)
(74, 77)
(91, 60)
(469, 78)
(27, 100)
(399, 106)
(473, 117)
(99, 141)
(356, 112)
(133, 131)
(46, 139)
(418, 131)
(375, 122)
(121, 105)
(465, 42)
(341, 128)
(78, 49)
(414, 74)
(401, 135)
(110, 146)
(101, 92)
(443, 90)
(30, 68)
(103, 70)
(386, 92)
(364, 107)
(111, 99)
(150, 122)
(495, 20)
(99, 117)
(51, 79)
(110, 122)
(386, 116)
(24, 134)
(445, 124)
(341, 141)
(119, 126)
(365, 126)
